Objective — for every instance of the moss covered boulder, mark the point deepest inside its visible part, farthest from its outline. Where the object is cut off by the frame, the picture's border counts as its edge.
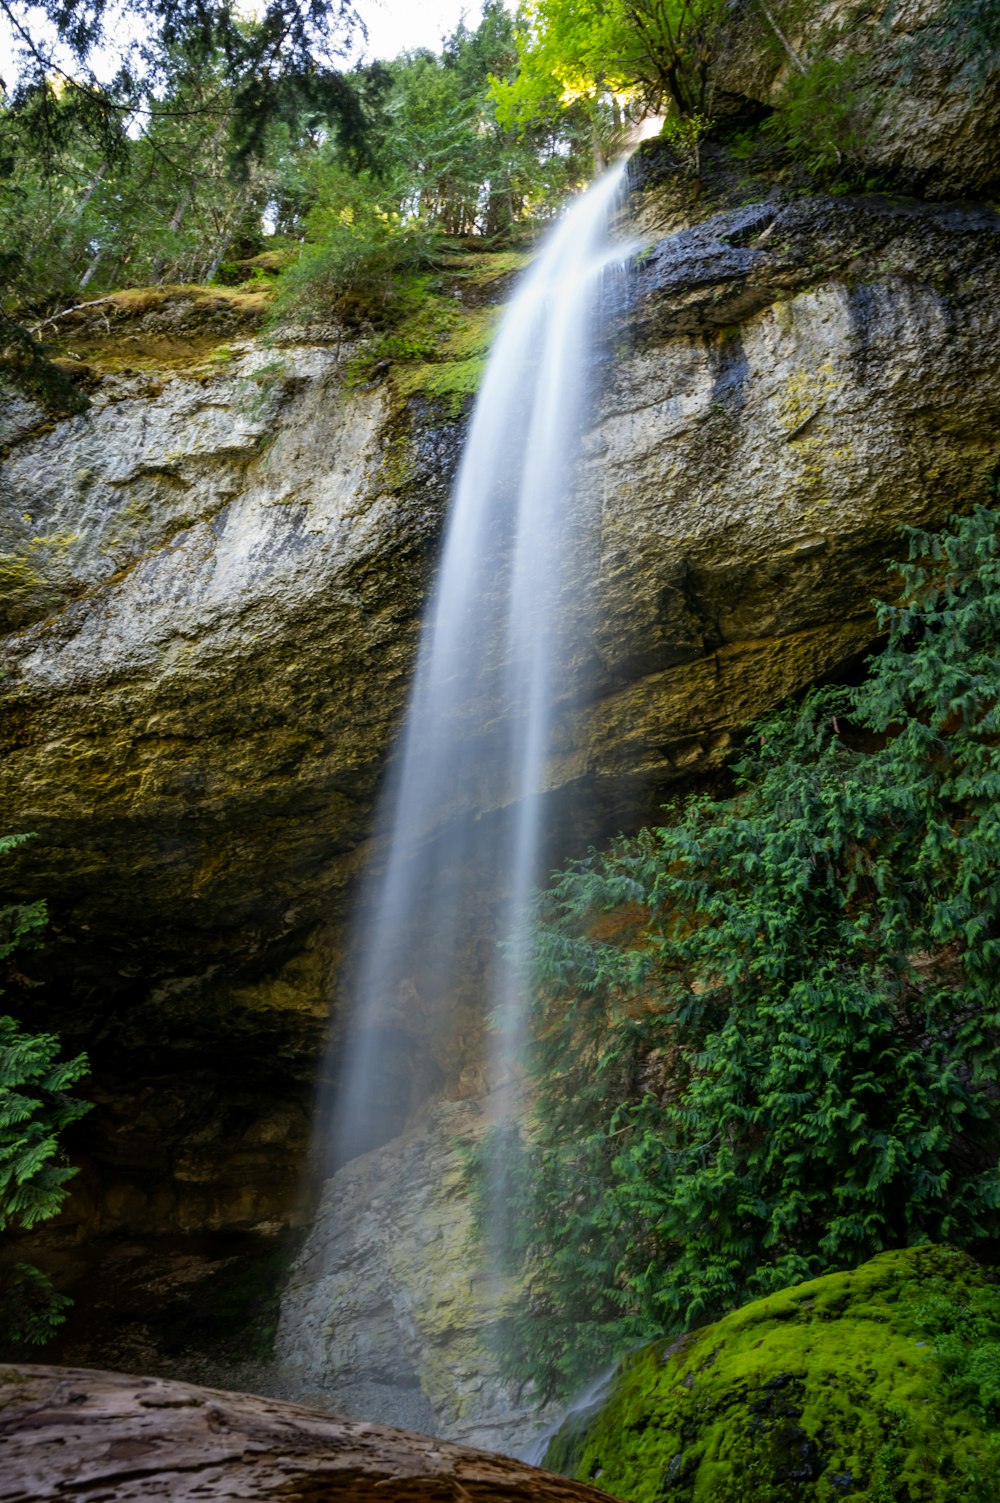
(881, 1384)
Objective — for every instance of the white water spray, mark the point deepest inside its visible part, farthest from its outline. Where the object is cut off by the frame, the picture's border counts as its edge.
(502, 644)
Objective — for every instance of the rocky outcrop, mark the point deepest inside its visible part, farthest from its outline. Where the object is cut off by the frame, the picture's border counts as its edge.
(388, 1314)
(71, 1434)
(794, 399)
(195, 727)
(910, 88)
(867, 1384)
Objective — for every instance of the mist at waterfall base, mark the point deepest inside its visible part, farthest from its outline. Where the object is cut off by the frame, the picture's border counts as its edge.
(436, 984)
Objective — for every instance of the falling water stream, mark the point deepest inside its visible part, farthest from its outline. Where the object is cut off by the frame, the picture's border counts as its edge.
(508, 617)
(468, 822)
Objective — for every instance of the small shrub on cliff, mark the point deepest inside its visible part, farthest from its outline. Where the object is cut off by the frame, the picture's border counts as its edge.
(822, 118)
(34, 1110)
(358, 259)
(766, 1033)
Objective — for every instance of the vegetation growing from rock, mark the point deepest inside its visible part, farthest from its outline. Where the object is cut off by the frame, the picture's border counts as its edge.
(765, 1033)
(34, 1110)
(210, 160)
(882, 1384)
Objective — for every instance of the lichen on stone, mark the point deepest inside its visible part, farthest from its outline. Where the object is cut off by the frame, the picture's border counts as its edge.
(856, 1385)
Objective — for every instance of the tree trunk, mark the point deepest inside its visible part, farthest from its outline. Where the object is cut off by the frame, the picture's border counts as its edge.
(71, 1434)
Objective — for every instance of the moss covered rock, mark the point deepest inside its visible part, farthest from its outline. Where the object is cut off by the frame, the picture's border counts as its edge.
(880, 1384)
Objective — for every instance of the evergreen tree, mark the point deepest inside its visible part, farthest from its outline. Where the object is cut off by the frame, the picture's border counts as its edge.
(766, 1033)
(34, 1110)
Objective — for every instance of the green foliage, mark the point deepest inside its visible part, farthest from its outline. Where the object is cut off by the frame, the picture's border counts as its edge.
(358, 258)
(654, 53)
(181, 189)
(30, 1308)
(821, 117)
(167, 206)
(765, 1034)
(685, 134)
(34, 1109)
(151, 155)
(112, 62)
(441, 165)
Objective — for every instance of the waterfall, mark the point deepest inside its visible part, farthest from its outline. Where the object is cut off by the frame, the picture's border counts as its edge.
(466, 831)
(503, 627)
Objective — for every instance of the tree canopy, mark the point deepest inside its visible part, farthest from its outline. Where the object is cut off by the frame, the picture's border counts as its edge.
(205, 151)
(117, 59)
(653, 54)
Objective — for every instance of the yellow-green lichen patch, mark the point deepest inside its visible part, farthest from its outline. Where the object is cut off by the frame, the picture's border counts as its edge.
(843, 1387)
(31, 582)
(479, 275)
(248, 304)
(436, 348)
(453, 383)
(436, 334)
(22, 591)
(454, 369)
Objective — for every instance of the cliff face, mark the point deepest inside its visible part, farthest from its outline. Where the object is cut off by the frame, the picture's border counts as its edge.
(215, 583)
(910, 87)
(229, 555)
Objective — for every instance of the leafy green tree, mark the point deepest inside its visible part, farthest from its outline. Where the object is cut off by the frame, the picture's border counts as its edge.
(655, 53)
(116, 159)
(34, 1109)
(290, 53)
(766, 1033)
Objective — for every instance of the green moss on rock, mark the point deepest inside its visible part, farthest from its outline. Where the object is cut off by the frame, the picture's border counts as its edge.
(880, 1384)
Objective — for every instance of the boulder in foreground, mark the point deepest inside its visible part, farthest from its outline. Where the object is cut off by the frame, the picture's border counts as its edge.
(882, 1385)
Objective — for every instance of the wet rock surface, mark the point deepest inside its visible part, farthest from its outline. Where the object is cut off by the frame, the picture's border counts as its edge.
(387, 1313)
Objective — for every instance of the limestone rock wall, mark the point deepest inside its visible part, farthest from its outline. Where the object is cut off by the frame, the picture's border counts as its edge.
(194, 741)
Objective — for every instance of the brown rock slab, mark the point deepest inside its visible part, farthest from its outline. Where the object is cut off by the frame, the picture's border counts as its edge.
(70, 1433)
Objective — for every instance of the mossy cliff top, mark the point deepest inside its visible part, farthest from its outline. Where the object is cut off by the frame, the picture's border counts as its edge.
(433, 336)
(166, 330)
(881, 1384)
